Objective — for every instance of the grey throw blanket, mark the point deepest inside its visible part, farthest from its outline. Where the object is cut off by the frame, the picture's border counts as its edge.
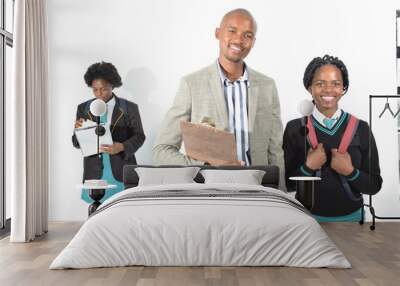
(205, 194)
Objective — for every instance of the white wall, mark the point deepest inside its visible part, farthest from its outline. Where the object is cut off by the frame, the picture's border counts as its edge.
(154, 43)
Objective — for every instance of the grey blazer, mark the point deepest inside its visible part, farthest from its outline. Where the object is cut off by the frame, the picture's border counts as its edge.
(201, 94)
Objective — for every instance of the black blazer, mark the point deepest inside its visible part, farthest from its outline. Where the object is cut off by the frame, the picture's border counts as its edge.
(126, 128)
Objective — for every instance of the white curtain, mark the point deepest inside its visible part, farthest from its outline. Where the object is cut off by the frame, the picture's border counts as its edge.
(29, 117)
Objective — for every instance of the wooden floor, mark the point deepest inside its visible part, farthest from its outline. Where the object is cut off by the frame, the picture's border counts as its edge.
(375, 256)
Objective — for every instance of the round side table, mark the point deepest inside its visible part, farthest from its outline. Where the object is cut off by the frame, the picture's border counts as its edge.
(96, 194)
(305, 190)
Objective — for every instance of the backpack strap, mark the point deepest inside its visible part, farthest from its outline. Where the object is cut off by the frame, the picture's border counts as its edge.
(347, 137)
(348, 134)
(312, 136)
(312, 139)
(348, 190)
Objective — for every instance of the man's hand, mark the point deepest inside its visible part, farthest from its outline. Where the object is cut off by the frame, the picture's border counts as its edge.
(112, 149)
(79, 123)
(341, 163)
(316, 158)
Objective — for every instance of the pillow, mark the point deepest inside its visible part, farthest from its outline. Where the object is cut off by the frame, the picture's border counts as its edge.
(162, 176)
(248, 177)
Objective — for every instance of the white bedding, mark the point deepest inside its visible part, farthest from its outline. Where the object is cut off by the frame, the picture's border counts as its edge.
(207, 230)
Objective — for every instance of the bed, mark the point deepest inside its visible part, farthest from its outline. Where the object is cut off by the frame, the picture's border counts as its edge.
(201, 224)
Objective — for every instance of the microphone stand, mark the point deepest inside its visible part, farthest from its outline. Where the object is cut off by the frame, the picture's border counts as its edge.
(100, 131)
(98, 137)
(305, 133)
(97, 109)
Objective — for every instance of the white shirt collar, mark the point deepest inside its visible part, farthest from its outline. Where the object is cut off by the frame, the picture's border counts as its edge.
(110, 109)
(111, 102)
(224, 79)
(320, 117)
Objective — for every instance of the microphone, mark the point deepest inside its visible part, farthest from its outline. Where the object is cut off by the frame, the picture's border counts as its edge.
(98, 107)
(305, 107)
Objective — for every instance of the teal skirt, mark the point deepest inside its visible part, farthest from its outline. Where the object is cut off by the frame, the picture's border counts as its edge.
(108, 176)
(355, 216)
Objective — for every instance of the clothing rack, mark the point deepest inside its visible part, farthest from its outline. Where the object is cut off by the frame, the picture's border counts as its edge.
(369, 205)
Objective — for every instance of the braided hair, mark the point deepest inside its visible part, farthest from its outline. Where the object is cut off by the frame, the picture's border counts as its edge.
(318, 62)
(104, 71)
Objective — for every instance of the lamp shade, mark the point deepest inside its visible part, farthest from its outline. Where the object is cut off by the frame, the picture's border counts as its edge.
(98, 107)
(305, 107)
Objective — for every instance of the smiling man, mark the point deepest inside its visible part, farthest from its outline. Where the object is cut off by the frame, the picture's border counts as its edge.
(237, 98)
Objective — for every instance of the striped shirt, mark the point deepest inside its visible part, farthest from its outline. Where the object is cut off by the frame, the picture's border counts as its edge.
(236, 101)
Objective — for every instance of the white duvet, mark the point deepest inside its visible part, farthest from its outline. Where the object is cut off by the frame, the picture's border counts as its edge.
(187, 230)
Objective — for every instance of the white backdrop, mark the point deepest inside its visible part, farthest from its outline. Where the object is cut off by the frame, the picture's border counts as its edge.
(154, 43)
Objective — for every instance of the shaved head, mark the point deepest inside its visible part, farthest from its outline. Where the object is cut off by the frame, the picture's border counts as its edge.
(236, 35)
(242, 12)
